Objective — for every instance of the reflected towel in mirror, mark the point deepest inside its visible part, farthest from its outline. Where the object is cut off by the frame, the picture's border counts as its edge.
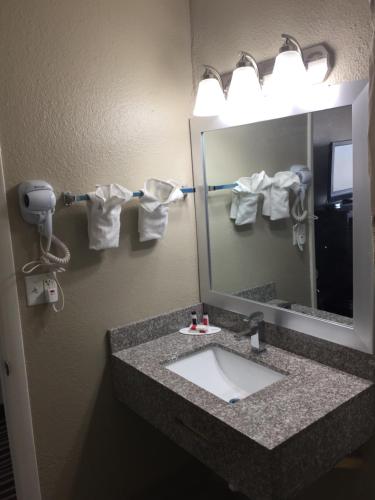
(245, 197)
(276, 196)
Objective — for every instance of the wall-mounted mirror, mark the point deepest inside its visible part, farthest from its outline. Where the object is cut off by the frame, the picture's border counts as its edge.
(284, 219)
(267, 262)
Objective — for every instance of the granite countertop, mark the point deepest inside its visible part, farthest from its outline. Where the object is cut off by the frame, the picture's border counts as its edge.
(309, 392)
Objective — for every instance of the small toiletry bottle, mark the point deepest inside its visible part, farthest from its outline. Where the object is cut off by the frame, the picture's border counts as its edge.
(194, 320)
(205, 319)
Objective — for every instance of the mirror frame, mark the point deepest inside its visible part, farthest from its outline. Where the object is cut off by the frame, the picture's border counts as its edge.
(360, 336)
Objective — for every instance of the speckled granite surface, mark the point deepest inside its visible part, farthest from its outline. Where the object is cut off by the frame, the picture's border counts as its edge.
(150, 328)
(337, 356)
(271, 444)
(260, 293)
(329, 353)
(310, 391)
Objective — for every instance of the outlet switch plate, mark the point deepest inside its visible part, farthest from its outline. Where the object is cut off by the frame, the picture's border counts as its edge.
(35, 289)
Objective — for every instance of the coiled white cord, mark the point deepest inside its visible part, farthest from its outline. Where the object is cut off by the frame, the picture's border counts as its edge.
(52, 262)
(299, 215)
(53, 259)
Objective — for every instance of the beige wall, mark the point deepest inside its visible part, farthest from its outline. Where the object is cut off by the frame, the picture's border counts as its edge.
(94, 92)
(221, 29)
(247, 256)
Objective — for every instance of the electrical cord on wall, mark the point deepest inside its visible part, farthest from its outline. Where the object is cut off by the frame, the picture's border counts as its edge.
(37, 202)
(299, 213)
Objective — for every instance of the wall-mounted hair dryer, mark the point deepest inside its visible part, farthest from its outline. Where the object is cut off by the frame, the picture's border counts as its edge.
(37, 202)
(299, 213)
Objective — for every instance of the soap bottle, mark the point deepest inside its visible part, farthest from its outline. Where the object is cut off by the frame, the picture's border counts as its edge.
(194, 320)
(205, 319)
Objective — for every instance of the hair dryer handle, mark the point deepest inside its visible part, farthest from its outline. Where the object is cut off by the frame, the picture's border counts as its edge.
(45, 226)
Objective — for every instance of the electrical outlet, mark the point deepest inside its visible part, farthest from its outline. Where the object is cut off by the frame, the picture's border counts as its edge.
(36, 288)
(50, 290)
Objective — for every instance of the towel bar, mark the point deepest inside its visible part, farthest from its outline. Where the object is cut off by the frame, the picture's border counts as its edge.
(70, 198)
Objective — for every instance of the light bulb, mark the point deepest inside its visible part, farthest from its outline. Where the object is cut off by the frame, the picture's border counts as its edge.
(244, 92)
(289, 73)
(210, 100)
(289, 76)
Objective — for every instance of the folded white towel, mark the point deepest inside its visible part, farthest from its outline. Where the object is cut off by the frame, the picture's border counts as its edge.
(103, 213)
(244, 202)
(245, 198)
(265, 190)
(244, 208)
(278, 202)
(154, 207)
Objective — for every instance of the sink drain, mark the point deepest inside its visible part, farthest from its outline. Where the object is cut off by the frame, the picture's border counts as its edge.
(234, 400)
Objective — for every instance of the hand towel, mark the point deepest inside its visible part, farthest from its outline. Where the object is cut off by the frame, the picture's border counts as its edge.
(244, 205)
(279, 194)
(245, 198)
(154, 207)
(103, 213)
(265, 191)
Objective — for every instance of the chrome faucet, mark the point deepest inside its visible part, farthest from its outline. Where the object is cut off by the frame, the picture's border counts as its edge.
(255, 332)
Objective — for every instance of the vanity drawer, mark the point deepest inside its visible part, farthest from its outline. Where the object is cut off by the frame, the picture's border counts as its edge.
(237, 460)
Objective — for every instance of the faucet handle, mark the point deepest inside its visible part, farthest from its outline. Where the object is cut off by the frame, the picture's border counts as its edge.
(256, 317)
(243, 328)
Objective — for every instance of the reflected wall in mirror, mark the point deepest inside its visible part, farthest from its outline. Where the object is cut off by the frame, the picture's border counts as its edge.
(274, 239)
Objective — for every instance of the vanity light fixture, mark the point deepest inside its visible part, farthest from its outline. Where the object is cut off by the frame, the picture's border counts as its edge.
(289, 72)
(318, 69)
(244, 91)
(288, 76)
(210, 100)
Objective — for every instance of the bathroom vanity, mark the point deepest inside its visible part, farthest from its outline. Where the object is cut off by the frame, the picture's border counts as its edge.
(269, 444)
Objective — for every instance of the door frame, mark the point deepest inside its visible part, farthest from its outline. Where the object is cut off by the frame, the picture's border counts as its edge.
(311, 210)
(14, 386)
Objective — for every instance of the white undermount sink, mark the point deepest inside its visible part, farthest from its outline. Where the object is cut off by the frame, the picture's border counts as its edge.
(223, 373)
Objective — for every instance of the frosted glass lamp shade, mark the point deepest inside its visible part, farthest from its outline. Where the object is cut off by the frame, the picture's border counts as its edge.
(317, 70)
(244, 90)
(289, 73)
(210, 100)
